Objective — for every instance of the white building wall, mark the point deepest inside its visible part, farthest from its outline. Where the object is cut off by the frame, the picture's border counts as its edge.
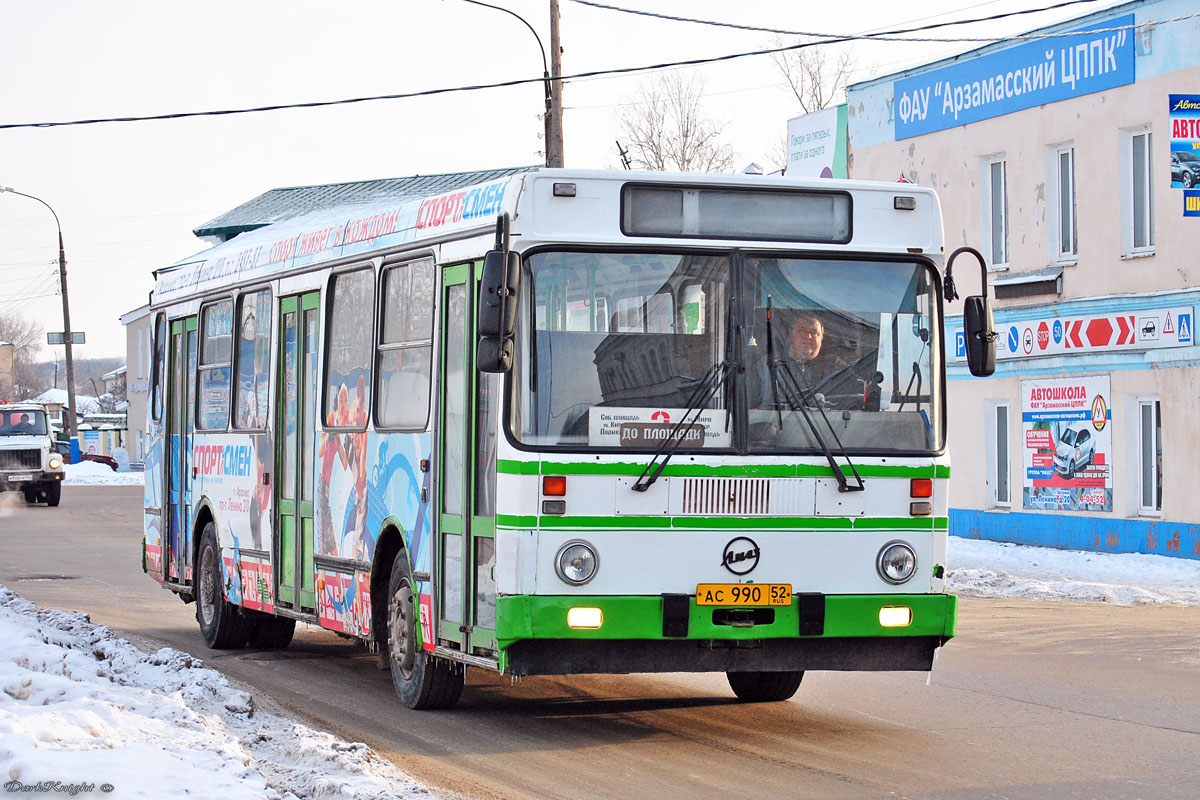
(1104, 278)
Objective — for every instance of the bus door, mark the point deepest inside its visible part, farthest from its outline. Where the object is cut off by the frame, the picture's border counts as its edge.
(181, 397)
(295, 431)
(467, 458)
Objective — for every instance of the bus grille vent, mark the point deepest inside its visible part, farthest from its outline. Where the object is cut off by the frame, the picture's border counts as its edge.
(734, 496)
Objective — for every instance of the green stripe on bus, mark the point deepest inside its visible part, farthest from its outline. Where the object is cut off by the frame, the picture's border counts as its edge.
(509, 467)
(727, 471)
(626, 522)
(640, 617)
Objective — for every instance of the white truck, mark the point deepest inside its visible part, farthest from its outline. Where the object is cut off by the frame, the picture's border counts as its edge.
(29, 461)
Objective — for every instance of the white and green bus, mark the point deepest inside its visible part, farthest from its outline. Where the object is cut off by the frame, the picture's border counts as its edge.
(565, 422)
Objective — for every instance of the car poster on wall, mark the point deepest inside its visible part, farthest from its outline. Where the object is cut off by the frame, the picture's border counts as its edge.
(1067, 452)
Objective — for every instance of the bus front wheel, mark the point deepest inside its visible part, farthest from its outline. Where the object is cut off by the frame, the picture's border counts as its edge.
(764, 687)
(221, 622)
(422, 681)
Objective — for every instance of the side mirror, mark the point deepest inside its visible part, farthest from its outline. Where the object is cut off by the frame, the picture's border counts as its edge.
(498, 293)
(979, 329)
(496, 315)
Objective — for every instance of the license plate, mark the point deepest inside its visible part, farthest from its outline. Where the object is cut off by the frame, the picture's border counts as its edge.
(744, 594)
(15, 478)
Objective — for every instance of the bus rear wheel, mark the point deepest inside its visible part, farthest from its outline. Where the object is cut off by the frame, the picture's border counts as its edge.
(422, 681)
(269, 632)
(764, 687)
(221, 623)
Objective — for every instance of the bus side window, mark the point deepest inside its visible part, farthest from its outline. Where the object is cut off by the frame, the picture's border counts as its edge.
(349, 353)
(159, 347)
(405, 354)
(216, 354)
(252, 389)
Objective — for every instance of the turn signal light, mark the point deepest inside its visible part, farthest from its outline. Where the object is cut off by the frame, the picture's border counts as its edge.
(922, 487)
(895, 616)
(554, 485)
(584, 618)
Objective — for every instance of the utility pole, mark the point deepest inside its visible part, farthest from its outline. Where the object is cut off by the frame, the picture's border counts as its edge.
(554, 132)
(72, 432)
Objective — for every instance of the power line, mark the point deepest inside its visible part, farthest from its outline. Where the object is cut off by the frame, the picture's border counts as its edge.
(831, 39)
(815, 35)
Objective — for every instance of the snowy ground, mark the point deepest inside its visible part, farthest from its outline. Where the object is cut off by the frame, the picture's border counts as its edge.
(995, 569)
(92, 473)
(84, 713)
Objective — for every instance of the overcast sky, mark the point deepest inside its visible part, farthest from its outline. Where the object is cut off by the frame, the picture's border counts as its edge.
(128, 194)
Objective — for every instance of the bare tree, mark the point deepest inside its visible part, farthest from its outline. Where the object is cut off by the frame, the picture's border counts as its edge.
(665, 128)
(815, 76)
(26, 337)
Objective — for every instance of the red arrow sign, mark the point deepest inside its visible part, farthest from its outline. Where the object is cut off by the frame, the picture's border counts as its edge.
(1073, 339)
(1125, 335)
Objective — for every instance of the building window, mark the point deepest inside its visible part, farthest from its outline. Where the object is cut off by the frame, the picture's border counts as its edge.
(1150, 450)
(1138, 192)
(999, 493)
(141, 353)
(1068, 237)
(995, 211)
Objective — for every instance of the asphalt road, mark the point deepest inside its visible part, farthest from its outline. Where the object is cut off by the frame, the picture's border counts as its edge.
(1031, 700)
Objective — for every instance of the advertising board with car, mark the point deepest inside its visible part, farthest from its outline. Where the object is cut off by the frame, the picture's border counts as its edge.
(1068, 444)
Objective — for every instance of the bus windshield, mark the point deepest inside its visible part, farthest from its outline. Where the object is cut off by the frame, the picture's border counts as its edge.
(614, 347)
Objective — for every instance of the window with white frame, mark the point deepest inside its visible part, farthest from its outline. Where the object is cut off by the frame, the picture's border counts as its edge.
(996, 425)
(1137, 205)
(1067, 228)
(995, 210)
(1150, 457)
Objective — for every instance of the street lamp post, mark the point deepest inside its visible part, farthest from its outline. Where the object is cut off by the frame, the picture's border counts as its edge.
(553, 87)
(72, 432)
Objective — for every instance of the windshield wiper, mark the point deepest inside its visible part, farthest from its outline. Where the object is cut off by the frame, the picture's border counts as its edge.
(796, 396)
(705, 389)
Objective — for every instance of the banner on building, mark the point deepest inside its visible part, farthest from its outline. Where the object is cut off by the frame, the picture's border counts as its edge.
(1016, 78)
(1066, 424)
(816, 144)
(1148, 329)
(1185, 142)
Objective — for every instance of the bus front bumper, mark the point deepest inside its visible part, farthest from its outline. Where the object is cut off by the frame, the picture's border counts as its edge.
(673, 634)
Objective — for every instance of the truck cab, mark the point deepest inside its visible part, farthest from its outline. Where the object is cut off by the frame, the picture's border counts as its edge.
(29, 461)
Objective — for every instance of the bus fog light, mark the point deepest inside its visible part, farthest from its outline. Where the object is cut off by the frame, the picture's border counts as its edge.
(895, 616)
(576, 562)
(896, 563)
(584, 618)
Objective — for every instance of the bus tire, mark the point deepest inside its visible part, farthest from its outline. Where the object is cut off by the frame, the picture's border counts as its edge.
(764, 687)
(53, 494)
(422, 681)
(269, 632)
(221, 623)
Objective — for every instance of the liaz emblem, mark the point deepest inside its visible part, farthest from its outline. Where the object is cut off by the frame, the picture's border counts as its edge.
(740, 556)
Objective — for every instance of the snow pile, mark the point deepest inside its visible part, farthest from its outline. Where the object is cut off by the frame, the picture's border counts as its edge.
(82, 708)
(93, 473)
(996, 569)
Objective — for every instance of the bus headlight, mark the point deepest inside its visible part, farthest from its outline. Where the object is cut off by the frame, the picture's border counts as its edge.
(896, 563)
(54, 463)
(576, 562)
